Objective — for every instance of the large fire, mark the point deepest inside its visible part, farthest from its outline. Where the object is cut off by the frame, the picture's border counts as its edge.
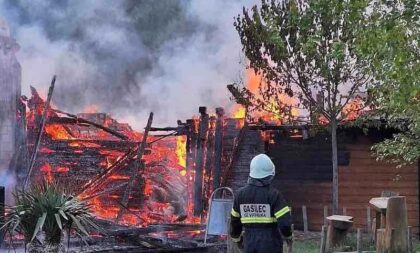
(100, 163)
(272, 109)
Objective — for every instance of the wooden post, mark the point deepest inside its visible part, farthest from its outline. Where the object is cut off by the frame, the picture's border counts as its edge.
(218, 147)
(325, 215)
(410, 239)
(359, 240)
(208, 167)
(41, 130)
(136, 168)
(323, 239)
(305, 219)
(201, 147)
(290, 248)
(380, 240)
(191, 150)
(377, 224)
(369, 223)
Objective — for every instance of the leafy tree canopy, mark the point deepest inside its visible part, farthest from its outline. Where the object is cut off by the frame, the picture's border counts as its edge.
(390, 45)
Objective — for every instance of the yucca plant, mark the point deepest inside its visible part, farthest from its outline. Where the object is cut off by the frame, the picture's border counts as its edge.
(49, 208)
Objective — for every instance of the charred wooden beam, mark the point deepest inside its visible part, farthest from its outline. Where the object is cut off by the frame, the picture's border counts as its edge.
(208, 177)
(191, 148)
(199, 164)
(77, 120)
(41, 130)
(137, 168)
(218, 147)
(93, 185)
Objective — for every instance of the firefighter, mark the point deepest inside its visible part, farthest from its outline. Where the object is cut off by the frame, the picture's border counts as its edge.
(260, 218)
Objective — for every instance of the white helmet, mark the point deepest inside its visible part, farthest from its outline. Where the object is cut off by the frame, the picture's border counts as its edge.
(261, 167)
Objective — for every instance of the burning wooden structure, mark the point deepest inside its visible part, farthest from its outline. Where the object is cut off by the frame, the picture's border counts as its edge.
(104, 161)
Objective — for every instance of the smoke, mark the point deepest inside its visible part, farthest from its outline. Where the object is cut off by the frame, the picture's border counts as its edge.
(129, 57)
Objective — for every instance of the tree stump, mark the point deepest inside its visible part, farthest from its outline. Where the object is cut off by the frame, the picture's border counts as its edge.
(393, 238)
(396, 228)
(338, 228)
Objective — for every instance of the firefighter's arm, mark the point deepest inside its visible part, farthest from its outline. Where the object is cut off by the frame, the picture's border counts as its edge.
(284, 219)
(235, 223)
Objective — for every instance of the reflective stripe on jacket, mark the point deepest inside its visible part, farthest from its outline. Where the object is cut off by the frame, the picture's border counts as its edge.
(259, 205)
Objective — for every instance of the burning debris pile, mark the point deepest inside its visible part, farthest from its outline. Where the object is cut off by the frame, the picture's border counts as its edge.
(98, 157)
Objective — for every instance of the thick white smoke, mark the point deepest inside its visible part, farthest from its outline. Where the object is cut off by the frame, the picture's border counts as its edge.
(129, 57)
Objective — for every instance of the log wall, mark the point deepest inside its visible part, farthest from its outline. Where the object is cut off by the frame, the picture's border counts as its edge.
(304, 175)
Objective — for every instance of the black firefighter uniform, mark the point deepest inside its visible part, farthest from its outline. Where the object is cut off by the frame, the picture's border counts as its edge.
(260, 214)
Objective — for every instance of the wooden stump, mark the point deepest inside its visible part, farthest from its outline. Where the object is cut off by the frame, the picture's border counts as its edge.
(393, 238)
(338, 228)
(396, 228)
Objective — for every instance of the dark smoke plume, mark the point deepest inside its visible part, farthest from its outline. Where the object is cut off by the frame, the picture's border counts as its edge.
(129, 57)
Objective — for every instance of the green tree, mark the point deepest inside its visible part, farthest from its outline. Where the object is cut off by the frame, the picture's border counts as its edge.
(308, 49)
(391, 47)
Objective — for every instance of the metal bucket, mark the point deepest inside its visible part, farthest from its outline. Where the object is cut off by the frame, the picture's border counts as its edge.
(220, 206)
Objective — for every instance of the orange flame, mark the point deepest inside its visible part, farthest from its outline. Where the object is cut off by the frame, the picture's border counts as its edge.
(91, 109)
(57, 132)
(272, 111)
(46, 169)
(181, 150)
(239, 112)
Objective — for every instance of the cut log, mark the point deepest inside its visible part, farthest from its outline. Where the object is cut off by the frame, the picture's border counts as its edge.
(396, 226)
(338, 228)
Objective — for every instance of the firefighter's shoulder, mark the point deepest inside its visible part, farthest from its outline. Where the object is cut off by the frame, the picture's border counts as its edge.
(241, 191)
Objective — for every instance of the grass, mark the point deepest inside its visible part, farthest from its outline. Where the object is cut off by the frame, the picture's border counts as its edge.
(312, 245)
(305, 246)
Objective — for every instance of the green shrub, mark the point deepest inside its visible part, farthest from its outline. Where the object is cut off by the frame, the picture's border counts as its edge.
(49, 208)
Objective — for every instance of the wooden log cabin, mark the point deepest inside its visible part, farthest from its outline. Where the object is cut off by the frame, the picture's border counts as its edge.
(304, 171)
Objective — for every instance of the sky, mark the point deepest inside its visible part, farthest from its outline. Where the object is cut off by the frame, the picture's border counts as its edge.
(129, 57)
